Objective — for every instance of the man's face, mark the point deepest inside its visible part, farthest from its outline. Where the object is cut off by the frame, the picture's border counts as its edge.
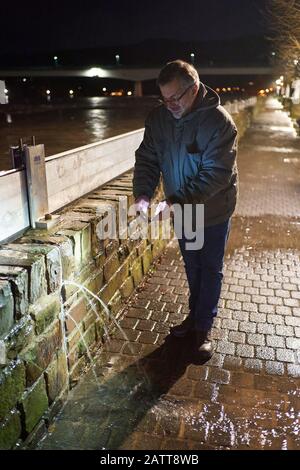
(178, 97)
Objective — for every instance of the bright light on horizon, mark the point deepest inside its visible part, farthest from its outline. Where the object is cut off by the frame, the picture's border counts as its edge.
(94, 72)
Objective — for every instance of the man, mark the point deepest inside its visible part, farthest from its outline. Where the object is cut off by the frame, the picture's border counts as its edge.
(191, 140)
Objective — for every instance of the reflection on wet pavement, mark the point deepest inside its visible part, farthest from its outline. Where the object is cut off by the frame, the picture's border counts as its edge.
(157, 394)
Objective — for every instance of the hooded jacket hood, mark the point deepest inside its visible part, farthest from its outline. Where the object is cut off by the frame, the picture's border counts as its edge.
(207, 98)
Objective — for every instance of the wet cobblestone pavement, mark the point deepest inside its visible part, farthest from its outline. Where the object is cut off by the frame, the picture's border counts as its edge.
(153, 393)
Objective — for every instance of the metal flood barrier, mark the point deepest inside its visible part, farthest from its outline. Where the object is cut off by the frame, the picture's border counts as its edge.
(48, 184)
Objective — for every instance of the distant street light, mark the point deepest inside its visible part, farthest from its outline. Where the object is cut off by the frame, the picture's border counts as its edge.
(192, 55)
(55, 58)
(117, 57)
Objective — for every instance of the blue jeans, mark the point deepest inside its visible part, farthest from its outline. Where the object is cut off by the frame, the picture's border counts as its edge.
(204, 273)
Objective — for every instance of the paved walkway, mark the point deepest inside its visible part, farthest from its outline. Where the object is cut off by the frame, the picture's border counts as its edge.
(152, 391)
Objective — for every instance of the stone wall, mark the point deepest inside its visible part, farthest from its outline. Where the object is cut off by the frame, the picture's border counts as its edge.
(43, 355)
(45, 327)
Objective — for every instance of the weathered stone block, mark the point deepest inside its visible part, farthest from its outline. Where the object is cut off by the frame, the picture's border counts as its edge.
(35, 265)
(10, 430)
(111, 247)
(34, 403)
(122, 273)
(72, 286)
(147, 259)
(123, 251)
(81, 216)
(12, 385)
(75, 336)
(6, 308)
(56, 376)
(62, 242)
(136, 271)
(45, 311)
(39, 354)
(115, 303)
(127, 287)
(157, 247)
(67, 258)
(111, 266)
(19, 337)
(86, 244)
(75, 237)
(18, 278)
(52, 261)
(109, 289)
(90, 245)
(89, 337)
(73, 356)
(75, 314)
(92, 318)
(141, 247)
(95, 283)
(100, 259)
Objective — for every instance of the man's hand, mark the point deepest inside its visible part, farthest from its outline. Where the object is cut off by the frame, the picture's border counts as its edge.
(162, 210)
(141, 205)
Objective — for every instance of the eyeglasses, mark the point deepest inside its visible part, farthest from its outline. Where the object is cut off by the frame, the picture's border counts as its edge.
(174, 99)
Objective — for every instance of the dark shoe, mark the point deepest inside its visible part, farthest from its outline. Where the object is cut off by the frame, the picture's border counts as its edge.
(204, 345)
(184, 328)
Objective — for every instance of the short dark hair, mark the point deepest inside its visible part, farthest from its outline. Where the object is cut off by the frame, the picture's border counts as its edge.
(179, 69)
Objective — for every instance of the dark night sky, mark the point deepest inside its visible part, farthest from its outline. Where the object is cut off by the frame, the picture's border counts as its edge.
(54, 25)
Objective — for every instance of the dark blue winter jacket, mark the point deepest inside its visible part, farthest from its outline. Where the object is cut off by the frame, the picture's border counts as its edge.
(195, 154)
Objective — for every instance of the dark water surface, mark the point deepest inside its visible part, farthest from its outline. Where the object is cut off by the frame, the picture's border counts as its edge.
(69, 124)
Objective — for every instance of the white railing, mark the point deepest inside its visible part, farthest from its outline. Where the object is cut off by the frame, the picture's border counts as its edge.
(70, 175)
(73, 174)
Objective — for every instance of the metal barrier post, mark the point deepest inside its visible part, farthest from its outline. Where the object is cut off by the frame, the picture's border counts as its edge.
(37, 187)
(2, 92)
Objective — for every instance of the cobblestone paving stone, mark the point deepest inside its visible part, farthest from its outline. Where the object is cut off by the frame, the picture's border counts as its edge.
(153, 393)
